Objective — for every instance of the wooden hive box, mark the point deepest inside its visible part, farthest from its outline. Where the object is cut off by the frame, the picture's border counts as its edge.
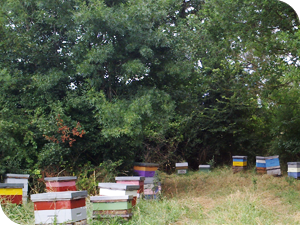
(145, 169)
(273, 165)
(11, 178)
(11, 193)
(239, 163)
(294, 169)
(182, 168)
(151, 188)
(117, 189)
(110, 206)
(133, 181)
(151, 191)
(57, 184)
(60, 207)
(261, 165)
(204, 168)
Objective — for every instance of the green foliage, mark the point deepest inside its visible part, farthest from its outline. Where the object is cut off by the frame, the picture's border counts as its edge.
(159, 81)
(89, 175)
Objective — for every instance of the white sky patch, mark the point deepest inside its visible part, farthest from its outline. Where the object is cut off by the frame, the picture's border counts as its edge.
(295, 4)
(189, 9)
(199, 63)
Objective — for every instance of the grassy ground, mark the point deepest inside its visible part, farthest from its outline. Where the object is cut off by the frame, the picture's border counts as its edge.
(219, 197)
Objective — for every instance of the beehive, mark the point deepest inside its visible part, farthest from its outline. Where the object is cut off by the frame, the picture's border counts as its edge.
(110, 206)
(133, 181)
(145, 169)
(204, 168)
(182, 168)
(152, 188)
(117, 189)
(57, 184)
(11, 178)
(261, 165)
(239, 163)
(273, 165)
(294, 169)
(59, 207)
(11, 193)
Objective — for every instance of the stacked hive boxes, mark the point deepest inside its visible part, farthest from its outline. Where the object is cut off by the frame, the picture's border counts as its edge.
(273, 165)
(151, 188)
(294, 169)
(57, 184)
(19, 179)
(117, 189)
(133, 181)
(204, 168)
(145, 169)
(60, 207)
(182, 168)
(261, 165)
(11, 193)
(239, 163)
(110, 206)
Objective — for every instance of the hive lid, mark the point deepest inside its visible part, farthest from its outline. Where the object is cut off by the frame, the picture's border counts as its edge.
(149, 180)
(181, 164)
(108, 198)
(56, 196)
(66, 178)
(204, 166)
(130, 178)
(146, 164)
(272, 157)
(11, 185)
(119, 186)
(293, 163)
(260, 157)
(239, 157)
(20, 176)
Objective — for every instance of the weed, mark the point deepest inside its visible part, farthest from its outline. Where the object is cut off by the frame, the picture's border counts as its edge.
(254, 181)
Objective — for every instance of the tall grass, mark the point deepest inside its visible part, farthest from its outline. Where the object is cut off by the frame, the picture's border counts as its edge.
(219, 197)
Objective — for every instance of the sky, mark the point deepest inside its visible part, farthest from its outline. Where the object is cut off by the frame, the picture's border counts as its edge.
(295, 4)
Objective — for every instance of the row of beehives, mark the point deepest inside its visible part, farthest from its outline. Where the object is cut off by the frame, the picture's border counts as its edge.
(64, 204)
(182, 168)
(264, 165)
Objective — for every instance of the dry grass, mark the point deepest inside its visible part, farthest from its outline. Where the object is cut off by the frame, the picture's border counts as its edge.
(241, 198)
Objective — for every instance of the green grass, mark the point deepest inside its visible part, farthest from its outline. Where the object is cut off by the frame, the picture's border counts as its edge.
(219, 197)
